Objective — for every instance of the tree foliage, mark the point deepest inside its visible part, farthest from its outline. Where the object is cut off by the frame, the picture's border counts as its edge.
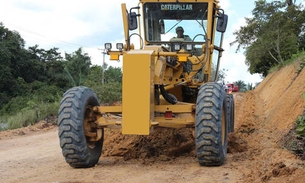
(109, 90)
(77, 66)
(34, 76)
(113, 74)
(272, 35)
(11, 51)
(241, 85)
(222, 74)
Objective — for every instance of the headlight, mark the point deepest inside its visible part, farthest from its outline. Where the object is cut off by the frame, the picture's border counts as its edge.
(119, 46)
(108, 46)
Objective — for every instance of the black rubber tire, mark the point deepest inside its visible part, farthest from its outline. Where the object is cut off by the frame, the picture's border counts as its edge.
(211, 125)
(230, 112)
(71, 132)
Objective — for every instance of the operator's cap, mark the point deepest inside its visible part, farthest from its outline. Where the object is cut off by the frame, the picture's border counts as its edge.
(179, 28)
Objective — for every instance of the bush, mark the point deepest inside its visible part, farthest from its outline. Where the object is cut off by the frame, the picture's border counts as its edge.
(109, 92)
(29, 116)
(300, 122)
(22, 119)
(302, 65)
(40, 94)
(14, 105)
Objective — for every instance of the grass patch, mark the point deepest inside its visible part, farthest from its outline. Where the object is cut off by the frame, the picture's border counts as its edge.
(294, 140)
(294, 143)
(28, 117)
(298, 57)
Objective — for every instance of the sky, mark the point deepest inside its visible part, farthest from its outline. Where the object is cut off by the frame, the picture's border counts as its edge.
(69, 25)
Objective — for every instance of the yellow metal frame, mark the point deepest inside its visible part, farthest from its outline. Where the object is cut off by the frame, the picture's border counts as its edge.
(184, 116)
(144, 68)
(138, 92)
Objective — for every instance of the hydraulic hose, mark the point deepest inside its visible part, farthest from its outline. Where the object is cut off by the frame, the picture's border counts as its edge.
(170, 98)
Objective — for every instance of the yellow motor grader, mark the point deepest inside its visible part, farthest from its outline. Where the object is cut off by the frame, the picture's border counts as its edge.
(169, 81)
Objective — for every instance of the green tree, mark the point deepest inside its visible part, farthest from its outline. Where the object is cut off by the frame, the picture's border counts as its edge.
(250, 86)
(241, 85)
(77, 66)
(222, 74)
(94, 76)
(11, 52)
(109, 91)
(25, 71)
(271, 36)
(113, 74)
(45, 55)
(56, 75)
(290, 2)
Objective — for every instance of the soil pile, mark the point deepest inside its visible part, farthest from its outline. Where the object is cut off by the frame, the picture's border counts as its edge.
(162, 144)
(41, 126)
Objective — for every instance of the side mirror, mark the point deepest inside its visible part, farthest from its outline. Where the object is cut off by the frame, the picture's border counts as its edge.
(222, 23)
(132, 19)
(161, 26)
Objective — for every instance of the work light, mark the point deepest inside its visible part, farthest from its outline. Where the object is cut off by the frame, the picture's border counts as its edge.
(108, 46)
(119, 46)
(189, 47)
(177, 46)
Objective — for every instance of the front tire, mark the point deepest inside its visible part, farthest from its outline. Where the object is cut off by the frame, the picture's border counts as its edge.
(211, 125)
(75, 121)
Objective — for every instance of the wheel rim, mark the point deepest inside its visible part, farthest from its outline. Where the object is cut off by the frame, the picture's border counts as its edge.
(90, 131)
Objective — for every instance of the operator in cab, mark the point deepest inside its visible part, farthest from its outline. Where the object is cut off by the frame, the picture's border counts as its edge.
(180, 34)
(180, 38)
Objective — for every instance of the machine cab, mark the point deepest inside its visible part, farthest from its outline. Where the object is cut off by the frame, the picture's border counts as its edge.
(196, 20)
(162, 22)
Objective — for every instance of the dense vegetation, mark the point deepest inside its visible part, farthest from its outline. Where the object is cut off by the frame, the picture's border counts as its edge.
(272, 35)
(33, 80)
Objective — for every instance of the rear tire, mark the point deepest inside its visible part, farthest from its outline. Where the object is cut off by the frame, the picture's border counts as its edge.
(230, 112)
(76, 106)
(211, 125)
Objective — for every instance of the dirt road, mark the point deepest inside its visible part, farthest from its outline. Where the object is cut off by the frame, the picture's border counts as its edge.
(262, 118)
(36, 157)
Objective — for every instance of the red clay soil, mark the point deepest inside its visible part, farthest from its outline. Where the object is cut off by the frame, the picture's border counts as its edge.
(255, 153)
